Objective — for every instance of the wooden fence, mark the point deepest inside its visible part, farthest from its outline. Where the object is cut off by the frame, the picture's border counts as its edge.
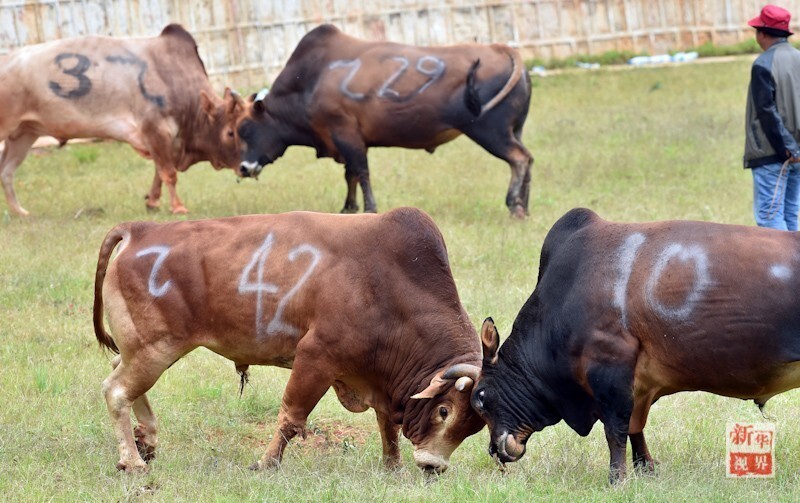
(246, 42)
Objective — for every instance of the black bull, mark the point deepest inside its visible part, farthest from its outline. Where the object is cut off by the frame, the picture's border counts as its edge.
(341, 95)
(624, 314)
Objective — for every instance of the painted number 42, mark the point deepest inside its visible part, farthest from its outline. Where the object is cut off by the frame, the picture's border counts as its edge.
(253, 281)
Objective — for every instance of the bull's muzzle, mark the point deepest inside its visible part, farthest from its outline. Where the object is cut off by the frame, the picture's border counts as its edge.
(506, 448)
(249, 169)
(430, 462)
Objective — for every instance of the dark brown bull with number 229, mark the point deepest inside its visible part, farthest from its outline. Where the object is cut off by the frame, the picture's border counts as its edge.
(341, 95)
(152, 93)
(382, 324)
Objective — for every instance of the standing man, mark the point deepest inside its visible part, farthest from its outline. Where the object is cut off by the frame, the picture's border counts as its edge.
(773, 123)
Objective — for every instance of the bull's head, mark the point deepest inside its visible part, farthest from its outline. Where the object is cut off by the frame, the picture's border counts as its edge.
(507, 399)
(222, 116)
(440, 417)
(260, 136)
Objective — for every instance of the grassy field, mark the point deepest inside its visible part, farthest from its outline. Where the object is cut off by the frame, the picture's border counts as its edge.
(648, 144)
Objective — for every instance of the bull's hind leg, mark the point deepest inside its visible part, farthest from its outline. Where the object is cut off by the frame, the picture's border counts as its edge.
(502, 143)
(146, 431)
(307, 384)
(124, 389)
(16, 149)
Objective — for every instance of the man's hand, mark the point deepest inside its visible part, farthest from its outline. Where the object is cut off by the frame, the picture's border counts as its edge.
(793, 158)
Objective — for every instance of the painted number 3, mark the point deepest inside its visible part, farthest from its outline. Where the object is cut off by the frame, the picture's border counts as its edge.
(255, 268)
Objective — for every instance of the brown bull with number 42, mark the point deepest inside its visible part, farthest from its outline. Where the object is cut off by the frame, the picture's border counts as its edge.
(382, 325)
(152, 93)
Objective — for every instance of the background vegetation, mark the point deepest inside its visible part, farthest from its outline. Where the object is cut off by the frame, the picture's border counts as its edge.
(645, 144)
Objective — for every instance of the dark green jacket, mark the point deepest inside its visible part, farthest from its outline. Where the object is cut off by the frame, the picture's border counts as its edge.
(773, 105)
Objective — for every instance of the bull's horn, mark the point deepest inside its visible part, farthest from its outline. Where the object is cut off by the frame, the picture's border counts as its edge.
(262, 94)
(464, 382)
(462, 370)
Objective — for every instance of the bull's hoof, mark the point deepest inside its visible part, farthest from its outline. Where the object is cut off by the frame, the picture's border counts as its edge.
(261, 464)
(146, 451)
(392, 464)
(349, 210)
(20, 211)
(519, 213)
(180, 210)
(645, 466)
(132, 466)
(370, 210)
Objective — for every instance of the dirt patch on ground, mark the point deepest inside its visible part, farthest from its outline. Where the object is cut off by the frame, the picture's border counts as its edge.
(321, 435)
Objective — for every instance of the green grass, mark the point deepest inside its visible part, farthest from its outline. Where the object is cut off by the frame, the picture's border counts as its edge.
(647, 144)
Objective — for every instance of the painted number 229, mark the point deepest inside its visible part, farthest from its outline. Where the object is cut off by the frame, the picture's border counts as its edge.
(260, 287)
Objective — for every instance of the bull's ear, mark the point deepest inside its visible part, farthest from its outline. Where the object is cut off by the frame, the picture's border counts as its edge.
(436, 386)
(490, 340)
(207, 105)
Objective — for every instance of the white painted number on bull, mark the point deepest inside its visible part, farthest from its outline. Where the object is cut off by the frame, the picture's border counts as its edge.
(385, 88)
(691, 253)
(277, 324)
(162, 252)
(259, 287)
(429, 66)
(354, 65)
(626, 256)
(434, 73)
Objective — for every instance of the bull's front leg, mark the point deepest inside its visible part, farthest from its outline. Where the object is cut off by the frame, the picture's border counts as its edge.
(153, 198)
(617, 442)
(390, 436)
(350, 204)
(643, 462)
(612, 389)
(307, 384)
(170, 177)
(353, 152)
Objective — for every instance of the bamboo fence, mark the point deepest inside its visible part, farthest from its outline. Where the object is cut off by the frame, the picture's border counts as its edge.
(246, 42)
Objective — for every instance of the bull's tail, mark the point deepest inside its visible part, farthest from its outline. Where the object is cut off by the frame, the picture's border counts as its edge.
(110, 242)
(471, 99)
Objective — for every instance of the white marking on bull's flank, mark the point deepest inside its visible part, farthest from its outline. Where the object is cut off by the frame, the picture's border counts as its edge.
(162, 252)
(385, 88)
(691, 253)
(354, 65)
(625, 257)
(259, 287)
(434, 73)
(780, 271)
(277, 324)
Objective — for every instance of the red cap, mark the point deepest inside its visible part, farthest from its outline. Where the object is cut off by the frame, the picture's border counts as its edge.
(774, 18)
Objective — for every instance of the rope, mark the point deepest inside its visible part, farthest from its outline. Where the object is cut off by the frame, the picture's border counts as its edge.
(775, 192)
